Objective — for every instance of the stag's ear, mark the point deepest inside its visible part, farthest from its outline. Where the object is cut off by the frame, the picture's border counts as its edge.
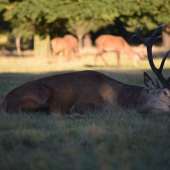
(148, 81)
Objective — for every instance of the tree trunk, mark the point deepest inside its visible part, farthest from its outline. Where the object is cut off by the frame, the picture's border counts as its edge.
(80, 37)
(165, 39)
(42, 47)
(18, 45)
(87, 42)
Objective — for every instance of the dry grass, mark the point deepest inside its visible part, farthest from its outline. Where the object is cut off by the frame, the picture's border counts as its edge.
(30, 64)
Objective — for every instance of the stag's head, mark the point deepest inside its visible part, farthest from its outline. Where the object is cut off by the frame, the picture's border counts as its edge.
(156, 98)
(158, 95)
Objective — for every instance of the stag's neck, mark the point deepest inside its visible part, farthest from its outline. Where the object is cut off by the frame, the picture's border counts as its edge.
(129, 96)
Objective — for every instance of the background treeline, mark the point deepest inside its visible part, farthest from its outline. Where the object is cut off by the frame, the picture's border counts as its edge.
(45, 20)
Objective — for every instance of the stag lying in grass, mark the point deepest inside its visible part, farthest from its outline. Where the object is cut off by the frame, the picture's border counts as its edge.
(75, 92)
(117, 44)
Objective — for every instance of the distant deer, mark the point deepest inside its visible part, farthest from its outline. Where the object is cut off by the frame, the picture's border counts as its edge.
(117, 44)
(74, 44)
(68, 45)
(75, 92)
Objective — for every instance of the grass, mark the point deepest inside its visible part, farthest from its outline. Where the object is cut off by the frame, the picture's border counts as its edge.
(109, 139)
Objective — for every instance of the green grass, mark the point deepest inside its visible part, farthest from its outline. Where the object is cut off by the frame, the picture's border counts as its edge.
(109, 139)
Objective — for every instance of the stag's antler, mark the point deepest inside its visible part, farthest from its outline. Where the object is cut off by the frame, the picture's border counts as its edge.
(149, 43)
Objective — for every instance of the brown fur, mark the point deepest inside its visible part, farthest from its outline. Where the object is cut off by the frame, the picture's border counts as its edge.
(74, 92)
(117, 44)
(68, 45)
(74, 44)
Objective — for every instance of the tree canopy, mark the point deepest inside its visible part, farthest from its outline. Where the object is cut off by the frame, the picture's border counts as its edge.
(147, 13)
(56, 17)
(82, 16)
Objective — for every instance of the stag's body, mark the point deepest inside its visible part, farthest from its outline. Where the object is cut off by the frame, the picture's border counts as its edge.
(63, 93)
(117, 44)
(68, 45)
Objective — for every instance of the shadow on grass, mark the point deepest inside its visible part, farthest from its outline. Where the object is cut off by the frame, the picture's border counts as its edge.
(115, 74)
(13, 53)
(9, 81)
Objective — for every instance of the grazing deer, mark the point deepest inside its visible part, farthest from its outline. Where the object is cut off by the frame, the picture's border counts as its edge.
(68, 45)
(117, 44)
(74, 44)
(74, 92)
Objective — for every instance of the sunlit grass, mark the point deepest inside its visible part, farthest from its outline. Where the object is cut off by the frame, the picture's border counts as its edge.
(41, 65)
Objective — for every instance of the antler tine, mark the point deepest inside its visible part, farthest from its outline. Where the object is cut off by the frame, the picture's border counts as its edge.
(149, 43)
(162, 65)
(157, 38)
(158, 83)
(168, 80)
(153, 37)
(163, 61)
(150, 39)
(137, 34)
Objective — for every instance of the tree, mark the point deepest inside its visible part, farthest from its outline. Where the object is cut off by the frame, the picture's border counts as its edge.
(5, 27)
(147, 13)
(56, 17)
(81, 16)
(87, 15)
(20, 28)
(23, 30)
(33, 17)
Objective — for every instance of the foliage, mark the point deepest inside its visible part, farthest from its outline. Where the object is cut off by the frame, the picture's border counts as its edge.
(147, 13)
(79, 17)
(75, 12)
(82, 16)
(89, 14)
(4, 25)
(3, 4)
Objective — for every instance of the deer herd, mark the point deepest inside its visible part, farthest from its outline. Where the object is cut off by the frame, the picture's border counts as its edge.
(104, 43)
(75, 92)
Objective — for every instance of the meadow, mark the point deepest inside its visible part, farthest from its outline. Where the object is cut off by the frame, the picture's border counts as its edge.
(109, 139)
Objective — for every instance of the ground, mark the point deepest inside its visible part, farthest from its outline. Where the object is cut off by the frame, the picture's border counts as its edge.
(110, 139)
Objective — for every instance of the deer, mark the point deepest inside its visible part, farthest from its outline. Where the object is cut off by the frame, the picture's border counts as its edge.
(75, 92)
(74, 44)
(117, 44)
(67, 44)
